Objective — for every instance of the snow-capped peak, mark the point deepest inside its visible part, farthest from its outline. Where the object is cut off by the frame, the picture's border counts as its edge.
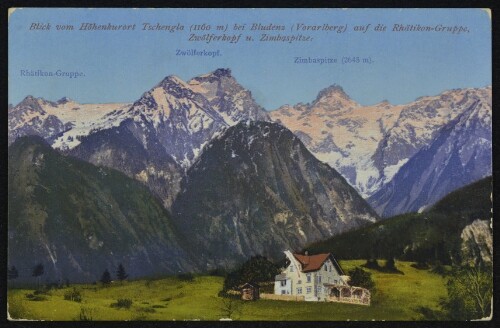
(31, 102)
(369, 144)
(186, 115)
(172, 81)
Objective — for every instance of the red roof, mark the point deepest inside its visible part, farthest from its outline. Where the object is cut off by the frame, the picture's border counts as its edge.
(311, 262)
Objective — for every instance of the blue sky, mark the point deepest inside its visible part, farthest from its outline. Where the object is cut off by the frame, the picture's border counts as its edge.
(120, 65)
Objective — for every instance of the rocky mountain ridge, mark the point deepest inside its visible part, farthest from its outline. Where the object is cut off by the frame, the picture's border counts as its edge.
(167, 127)
(460, 154)
(259, 187)
(369, 144)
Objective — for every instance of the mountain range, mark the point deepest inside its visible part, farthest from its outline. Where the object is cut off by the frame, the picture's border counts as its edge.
(369, 145)
(63, 122)
(235, 180)
(171, 123)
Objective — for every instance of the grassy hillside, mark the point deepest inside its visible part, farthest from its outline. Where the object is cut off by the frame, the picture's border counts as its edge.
(431, 235)
(397, 298)
(78, 219)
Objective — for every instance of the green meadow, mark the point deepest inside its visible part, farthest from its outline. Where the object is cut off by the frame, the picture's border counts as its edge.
(398, 296)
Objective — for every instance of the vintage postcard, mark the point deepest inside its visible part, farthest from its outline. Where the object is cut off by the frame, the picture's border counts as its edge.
(249, 164)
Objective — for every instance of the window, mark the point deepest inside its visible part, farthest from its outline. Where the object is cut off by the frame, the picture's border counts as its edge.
(299, 282)
(326, 267)
(299, 290)
(330, 268)
(335, 281)
(308, 277)
(291, 268)
(283, 292)
(308, 290)
(283, 283)
(318, 290)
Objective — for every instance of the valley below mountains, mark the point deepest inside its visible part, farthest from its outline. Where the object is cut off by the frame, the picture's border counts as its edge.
(195, 175)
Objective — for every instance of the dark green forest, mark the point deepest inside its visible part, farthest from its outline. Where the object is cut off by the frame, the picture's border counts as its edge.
(433, 235)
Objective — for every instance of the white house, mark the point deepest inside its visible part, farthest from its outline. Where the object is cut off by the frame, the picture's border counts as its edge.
(318, 278)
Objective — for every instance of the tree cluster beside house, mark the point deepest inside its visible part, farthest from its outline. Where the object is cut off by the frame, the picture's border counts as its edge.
(317, 278)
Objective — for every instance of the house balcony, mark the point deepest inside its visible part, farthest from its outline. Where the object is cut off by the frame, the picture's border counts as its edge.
(347, 294)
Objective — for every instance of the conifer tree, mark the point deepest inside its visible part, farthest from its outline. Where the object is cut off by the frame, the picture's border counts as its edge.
(12, 273)
(106, 277)
(120, 273)
(38, 270)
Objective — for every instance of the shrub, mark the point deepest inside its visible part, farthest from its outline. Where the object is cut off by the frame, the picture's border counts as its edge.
(122, 303)
(361, 278)
(53, 285)
(218, 272)
(390, 266)
(41, 292)
(147, 310)
(180, 295)
(229, 294)
(438, 268)
(371, 264)
(429, 314)
(470, 290)
(420, 266)
(185, 277)
(38, 297)
(86, 314)
(141, 316)
(229, 307)
(17, 308)
(73, 295)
